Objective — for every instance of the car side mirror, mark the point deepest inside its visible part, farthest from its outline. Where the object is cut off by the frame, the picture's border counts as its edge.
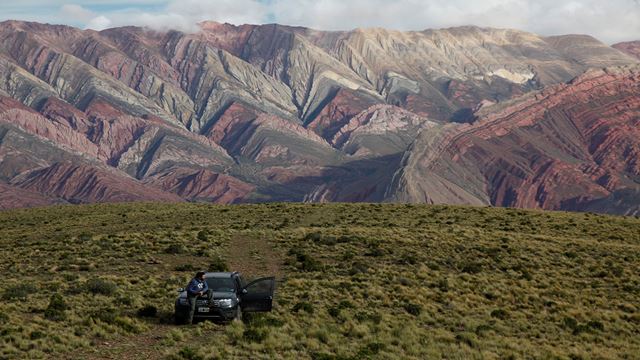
(244, 291)
(180, 290)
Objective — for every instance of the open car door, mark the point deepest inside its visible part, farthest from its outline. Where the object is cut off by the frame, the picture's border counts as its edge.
(257, 296)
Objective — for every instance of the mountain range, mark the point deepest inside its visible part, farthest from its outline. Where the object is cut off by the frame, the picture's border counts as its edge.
(260, 113)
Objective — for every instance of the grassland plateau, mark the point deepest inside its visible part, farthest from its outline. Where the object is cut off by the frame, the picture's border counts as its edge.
(354, 281)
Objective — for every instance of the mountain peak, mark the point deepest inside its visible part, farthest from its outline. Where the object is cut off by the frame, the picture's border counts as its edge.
(278, 113)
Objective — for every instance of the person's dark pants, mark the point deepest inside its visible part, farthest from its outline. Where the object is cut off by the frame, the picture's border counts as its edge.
(192, 307)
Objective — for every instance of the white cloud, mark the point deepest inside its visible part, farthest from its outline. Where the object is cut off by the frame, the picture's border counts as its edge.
(610, 21)
(77, 12)
(99, 23)
(186, 14)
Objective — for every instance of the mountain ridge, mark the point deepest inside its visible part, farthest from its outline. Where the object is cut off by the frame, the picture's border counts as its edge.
(263, 112)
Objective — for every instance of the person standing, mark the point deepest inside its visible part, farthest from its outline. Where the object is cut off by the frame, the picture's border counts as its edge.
(196, 288)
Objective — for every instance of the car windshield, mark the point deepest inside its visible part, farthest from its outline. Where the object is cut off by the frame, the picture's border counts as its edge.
(221, 284)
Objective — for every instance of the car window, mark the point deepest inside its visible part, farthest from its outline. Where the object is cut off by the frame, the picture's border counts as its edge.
(263, 286)
(221, 284)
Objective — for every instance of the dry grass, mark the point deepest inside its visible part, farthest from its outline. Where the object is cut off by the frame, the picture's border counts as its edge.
(358, 281)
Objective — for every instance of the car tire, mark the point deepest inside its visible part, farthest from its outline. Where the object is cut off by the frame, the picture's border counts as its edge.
(179, 319)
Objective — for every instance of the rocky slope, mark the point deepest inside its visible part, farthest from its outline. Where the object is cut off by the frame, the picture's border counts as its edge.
(270, 113)
(572, 146)
(631, 47)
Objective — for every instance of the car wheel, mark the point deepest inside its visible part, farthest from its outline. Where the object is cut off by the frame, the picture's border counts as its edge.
(179, 319)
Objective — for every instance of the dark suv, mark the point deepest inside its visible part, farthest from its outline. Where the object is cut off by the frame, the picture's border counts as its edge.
(227, 298)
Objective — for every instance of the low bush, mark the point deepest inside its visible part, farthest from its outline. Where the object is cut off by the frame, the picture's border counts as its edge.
(185, 267)
(148, 311)
(254, 334)
(466, 338)
(471, 267)
(101, 287)
(303, 306)
(203, 235)
(370, 350)
(499, 314)
(176, 249)
(218, 264)
(307, 263)
(413, 309)
(187, 353)
(55, 311)
(20, 291)
(106, 315)
(358, 267)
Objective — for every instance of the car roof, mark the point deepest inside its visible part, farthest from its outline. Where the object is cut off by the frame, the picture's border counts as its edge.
(218, 275)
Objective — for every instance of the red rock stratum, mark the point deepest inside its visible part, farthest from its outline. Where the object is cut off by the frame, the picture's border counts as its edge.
(252, 113)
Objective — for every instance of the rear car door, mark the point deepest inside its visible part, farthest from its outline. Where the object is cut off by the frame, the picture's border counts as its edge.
(257, 296)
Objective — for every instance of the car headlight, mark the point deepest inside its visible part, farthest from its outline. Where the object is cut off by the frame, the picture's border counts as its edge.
(226, 303)
(183, 301)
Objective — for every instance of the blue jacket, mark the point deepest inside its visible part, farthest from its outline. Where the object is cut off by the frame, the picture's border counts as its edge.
(195, 286)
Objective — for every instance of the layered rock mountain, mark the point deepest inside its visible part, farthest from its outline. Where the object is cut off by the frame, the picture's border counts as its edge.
(275, 113)
(572, 147)
(630, 47)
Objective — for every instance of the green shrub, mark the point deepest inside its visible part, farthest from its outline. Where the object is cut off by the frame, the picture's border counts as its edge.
(370, 350)
(37, 334)
(413, 309)
(471, 267)
(466, 338)
(20, 291)
(499, 314)
(185, 267)
(84, 237)
(482, 329)
(187, 353)
(218, 265)
(101, 286)
(313, 236)
(570, 323)
(148, 311)
(106, 315)
(255, 334)
(595, 325)
(358, 267)
(203, 235)
(176, 249)
(304, 306)
(55, 311)
(325, 356)
(307, 263)
(334, 312)
(443, 285)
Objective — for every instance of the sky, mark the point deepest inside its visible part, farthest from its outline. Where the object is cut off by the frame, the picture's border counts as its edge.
(608, 20)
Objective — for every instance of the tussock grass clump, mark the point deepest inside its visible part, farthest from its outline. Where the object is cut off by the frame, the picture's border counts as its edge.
(56, 309)
(176, 249)
(218, 264)
(304, 307)
(186, 267)
(413, 309)
(99, 286)
(500, 314)
(306, 262)
(149, 311)
(19, 292)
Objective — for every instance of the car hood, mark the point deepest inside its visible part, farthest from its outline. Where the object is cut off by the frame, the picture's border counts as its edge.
(216, 295)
